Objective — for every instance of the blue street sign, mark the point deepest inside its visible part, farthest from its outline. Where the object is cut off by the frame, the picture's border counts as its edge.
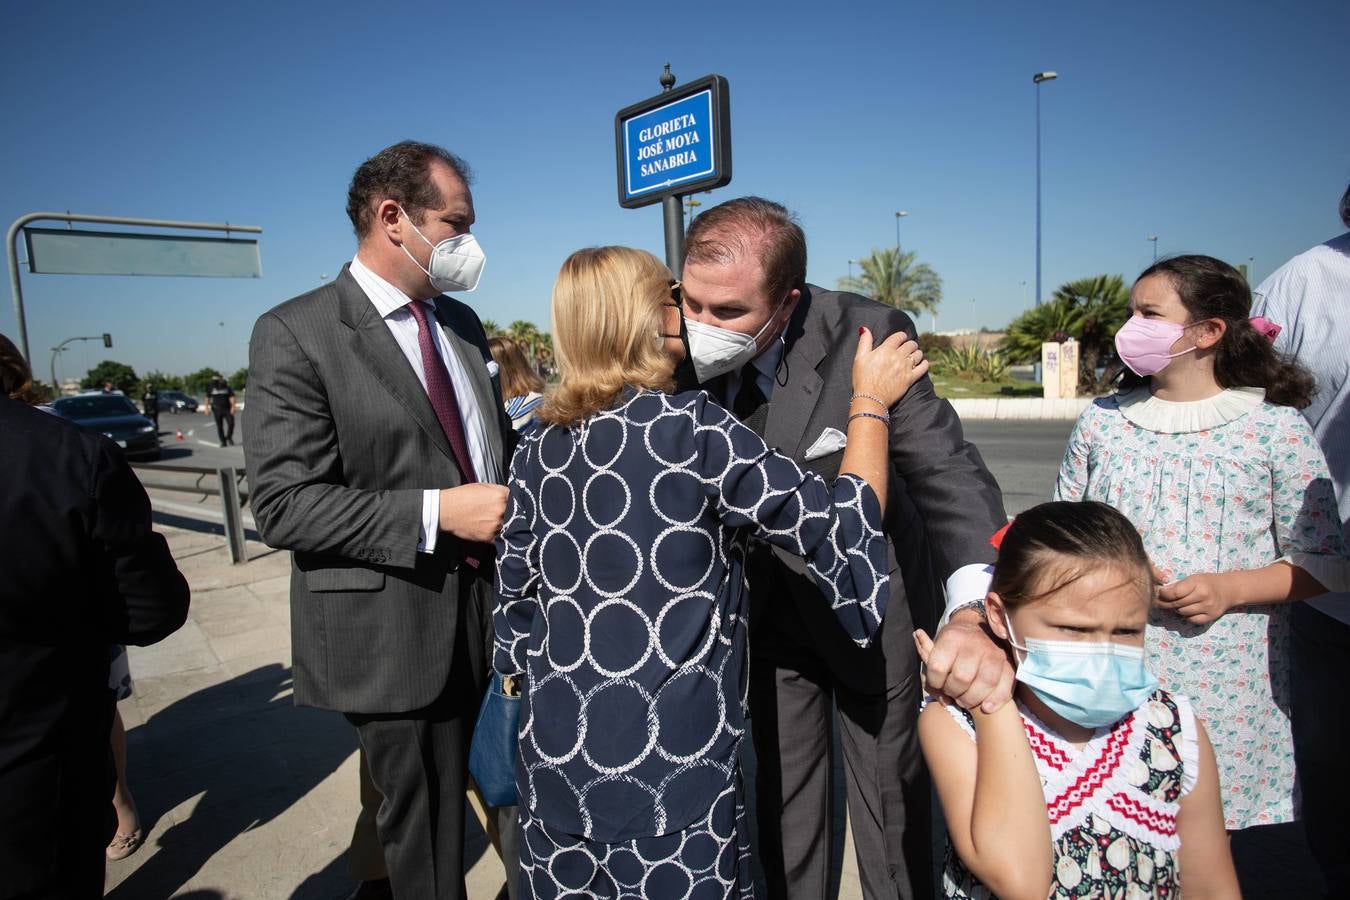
(674, 143)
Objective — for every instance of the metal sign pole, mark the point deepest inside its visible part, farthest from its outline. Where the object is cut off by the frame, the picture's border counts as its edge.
(674, 215)
(234, 517)
(671, 207)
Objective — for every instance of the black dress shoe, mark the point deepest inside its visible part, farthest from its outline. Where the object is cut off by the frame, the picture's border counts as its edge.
(372, 890)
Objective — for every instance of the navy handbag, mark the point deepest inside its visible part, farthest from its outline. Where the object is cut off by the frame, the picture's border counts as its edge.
(492, 753)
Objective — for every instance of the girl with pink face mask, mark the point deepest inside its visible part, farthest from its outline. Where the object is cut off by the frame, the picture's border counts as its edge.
(1204, 450)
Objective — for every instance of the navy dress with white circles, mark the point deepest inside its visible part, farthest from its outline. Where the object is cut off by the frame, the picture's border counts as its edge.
(621, 598)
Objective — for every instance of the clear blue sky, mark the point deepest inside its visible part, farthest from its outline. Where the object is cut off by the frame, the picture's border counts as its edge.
(1219, 126)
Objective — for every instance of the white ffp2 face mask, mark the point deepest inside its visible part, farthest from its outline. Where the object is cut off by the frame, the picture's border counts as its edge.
(456, 263)
(716, 351)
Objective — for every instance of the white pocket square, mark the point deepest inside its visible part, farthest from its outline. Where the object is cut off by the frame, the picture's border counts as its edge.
(830, 441)
(492, 368)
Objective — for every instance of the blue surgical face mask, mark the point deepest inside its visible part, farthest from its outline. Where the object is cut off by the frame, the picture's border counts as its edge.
(1091, 684)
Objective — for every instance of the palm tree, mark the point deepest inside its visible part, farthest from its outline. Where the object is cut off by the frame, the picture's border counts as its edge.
(897, 279)
(543, 354)
(1089, 310)
(491, 328)
(523, 333)
(1103, 305)
(1053, 320)
(527, 337)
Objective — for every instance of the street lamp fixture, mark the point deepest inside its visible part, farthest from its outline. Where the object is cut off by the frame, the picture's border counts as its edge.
(1154, 239)
(850, 270)
(898, 216)
(1037, 79)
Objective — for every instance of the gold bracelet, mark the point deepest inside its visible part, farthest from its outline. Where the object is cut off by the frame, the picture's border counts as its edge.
(868, 415)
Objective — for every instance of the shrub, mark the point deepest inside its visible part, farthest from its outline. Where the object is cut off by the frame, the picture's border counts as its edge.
(972, 364)
(931, 343)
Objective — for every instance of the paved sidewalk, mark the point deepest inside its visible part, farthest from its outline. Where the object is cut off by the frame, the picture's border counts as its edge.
(247, 797)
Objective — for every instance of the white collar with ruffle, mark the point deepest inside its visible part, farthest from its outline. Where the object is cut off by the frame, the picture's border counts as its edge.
(1172, 417)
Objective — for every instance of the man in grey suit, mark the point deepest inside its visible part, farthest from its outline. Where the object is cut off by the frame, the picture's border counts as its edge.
(774, 350)
(376, 448)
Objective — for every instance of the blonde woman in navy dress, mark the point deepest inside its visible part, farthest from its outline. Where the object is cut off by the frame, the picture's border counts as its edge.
(621, 597)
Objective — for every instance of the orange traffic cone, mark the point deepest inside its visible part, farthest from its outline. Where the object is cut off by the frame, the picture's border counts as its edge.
(179, 435)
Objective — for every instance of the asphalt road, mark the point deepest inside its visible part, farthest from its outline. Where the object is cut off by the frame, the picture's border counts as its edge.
(199, 446)
(1023, 455)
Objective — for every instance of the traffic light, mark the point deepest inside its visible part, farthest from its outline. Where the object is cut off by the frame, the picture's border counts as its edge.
(107, 339)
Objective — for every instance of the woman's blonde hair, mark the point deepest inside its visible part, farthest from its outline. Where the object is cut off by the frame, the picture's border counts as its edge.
(607, 326)
(518, 377)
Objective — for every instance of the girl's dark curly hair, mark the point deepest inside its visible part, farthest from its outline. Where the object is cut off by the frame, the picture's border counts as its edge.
(1211, 289)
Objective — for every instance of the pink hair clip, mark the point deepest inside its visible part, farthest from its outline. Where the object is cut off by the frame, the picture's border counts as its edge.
(1266, 327)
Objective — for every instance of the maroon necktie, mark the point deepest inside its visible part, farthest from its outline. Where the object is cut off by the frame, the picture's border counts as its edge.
(441, 392)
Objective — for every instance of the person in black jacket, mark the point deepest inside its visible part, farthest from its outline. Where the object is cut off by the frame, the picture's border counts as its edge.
(80, 569)
(220, 404)
(150, 403)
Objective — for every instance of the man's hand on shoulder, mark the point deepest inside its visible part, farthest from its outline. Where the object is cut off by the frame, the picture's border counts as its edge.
(966, 665)
(473, 512)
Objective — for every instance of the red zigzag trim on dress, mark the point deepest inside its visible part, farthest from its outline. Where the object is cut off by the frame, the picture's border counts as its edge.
(1161, 823)
(1043, 747)
(1087, 783)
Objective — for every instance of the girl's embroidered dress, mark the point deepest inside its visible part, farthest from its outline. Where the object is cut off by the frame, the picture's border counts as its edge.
(1219, 485)
(1113, 804)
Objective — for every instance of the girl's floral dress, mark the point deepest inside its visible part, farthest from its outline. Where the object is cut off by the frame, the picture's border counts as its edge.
(1218, 485)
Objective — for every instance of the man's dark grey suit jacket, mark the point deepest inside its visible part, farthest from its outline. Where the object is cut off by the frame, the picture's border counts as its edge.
(943, 504)
(340, 442)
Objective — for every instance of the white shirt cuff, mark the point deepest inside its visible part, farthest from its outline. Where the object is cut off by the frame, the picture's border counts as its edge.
(1332, 571)
(431, 521)
(970, 582)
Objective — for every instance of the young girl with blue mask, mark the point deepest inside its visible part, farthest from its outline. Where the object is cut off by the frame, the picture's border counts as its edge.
(1205, 451)
(1093, 782)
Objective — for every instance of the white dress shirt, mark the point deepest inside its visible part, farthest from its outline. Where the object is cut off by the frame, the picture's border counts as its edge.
(391, 303)
(1309, 298)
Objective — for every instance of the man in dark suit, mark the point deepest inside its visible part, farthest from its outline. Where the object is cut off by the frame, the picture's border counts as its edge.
(80, 569)
(376, 450)
(778, 352)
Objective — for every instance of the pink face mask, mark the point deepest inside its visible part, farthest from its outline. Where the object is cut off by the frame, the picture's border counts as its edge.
(1145, 345)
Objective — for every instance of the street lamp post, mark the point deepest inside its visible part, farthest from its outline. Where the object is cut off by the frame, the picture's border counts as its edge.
(1037, 79)
(898, 216)
(689, 204)
(1154, 239)
(223, 364)
(850, 271)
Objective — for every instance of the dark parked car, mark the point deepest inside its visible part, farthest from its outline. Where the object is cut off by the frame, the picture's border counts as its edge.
(114, 417)
(176, 401)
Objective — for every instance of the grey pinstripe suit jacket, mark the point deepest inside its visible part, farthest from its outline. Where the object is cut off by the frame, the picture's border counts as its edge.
(340, 443)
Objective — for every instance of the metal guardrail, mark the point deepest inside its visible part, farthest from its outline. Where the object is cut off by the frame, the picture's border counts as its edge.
(226, 483)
